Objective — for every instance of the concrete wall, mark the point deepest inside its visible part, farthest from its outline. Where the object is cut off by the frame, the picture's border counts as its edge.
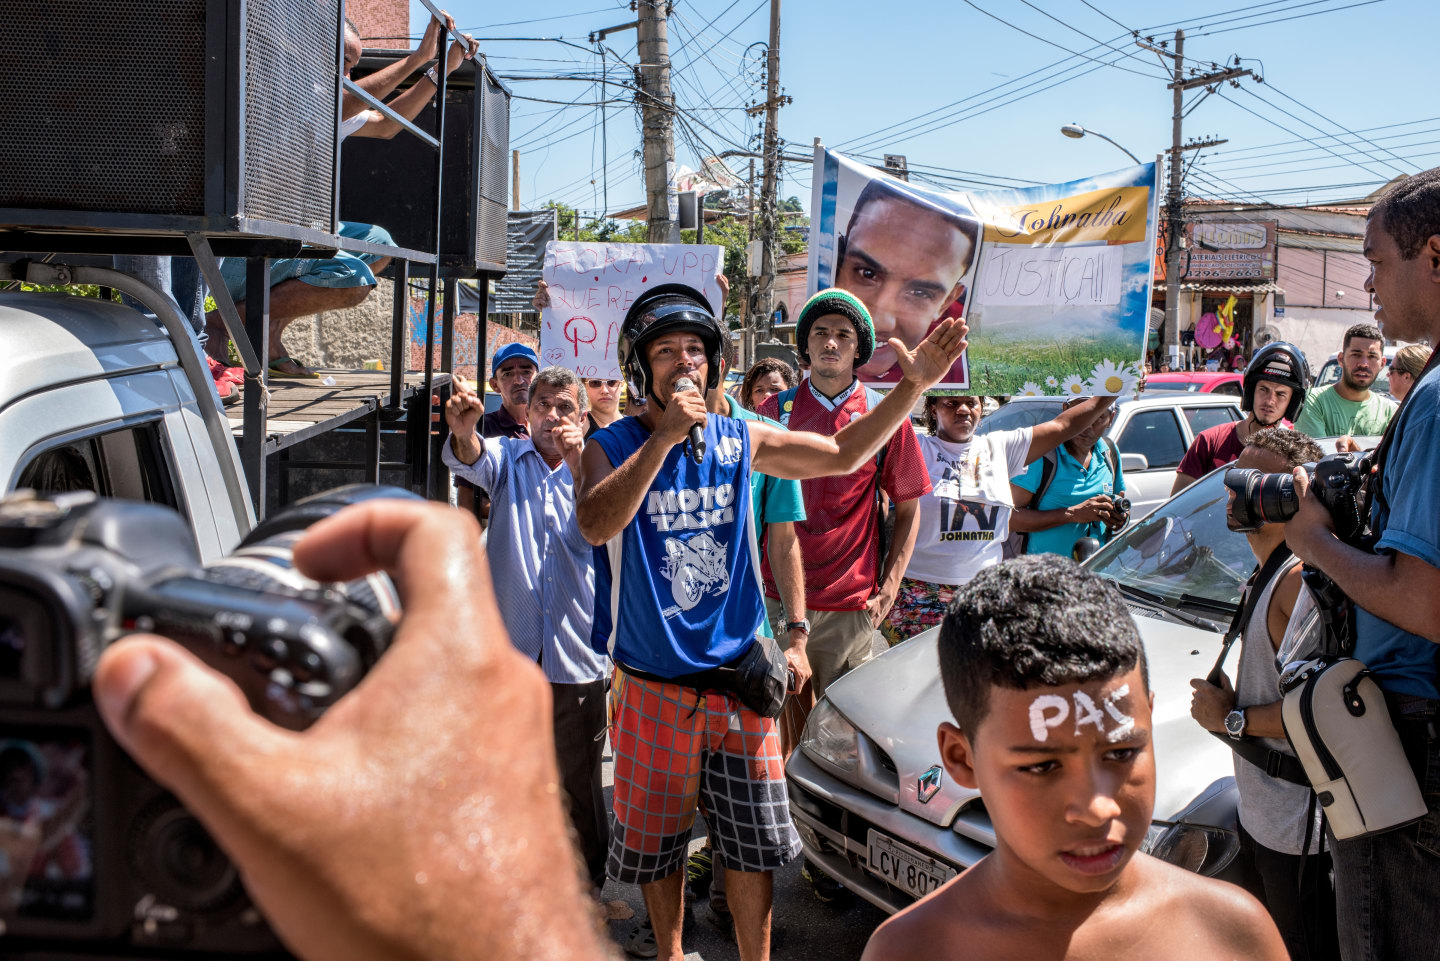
(346, 339)
(1318, 331)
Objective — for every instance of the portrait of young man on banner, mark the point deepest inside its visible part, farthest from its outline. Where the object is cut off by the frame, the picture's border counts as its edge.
(909, 257)
(1054, 280)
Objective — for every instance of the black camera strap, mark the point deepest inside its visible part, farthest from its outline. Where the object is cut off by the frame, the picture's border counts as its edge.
(1374, 486)
(1276, 764)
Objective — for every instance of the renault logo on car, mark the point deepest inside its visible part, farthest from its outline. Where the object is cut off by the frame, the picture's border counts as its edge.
(928, 784)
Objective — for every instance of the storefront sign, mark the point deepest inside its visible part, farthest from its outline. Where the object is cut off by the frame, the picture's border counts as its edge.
(1224, 250)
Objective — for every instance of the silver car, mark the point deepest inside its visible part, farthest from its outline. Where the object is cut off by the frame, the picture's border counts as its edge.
(875, 808)
(1152, 432)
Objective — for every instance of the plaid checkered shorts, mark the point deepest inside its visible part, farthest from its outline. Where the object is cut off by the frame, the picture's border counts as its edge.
(674, 745)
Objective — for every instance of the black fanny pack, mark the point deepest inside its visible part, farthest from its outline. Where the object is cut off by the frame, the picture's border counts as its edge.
(758, 677)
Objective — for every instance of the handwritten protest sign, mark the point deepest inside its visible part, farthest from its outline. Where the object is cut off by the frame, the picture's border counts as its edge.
(592, 285)
(1054, 280)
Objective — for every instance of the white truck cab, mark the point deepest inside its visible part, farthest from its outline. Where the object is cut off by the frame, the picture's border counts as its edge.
(94, 396)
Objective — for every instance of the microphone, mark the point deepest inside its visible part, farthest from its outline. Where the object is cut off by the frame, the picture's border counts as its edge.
(697, 436)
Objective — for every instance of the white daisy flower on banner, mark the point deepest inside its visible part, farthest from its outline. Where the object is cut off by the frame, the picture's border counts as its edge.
(1030, 389)
(1073, 386)
(1051, 381)
(1108, 380)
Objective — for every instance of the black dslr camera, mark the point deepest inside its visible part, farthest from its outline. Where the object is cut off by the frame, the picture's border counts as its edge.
(1338, 481)
(94, 855)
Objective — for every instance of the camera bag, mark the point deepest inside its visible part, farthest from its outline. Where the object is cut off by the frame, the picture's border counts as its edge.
(759, 677)
(1337, 721)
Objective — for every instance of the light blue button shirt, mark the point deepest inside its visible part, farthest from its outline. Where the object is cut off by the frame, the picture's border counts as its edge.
(541, 566)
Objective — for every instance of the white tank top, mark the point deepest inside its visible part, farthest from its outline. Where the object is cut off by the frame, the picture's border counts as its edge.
(1271, 810)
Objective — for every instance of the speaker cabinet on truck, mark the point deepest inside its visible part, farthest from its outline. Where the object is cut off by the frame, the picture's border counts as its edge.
(118, 112)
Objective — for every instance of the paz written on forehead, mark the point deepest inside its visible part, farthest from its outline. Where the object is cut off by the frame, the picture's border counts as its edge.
(1051, 710)
(592, 285)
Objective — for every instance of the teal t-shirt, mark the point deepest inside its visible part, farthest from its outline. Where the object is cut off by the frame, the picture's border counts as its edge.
(1403, 662)
(1327, 414)
(1072, 484)
(773, 500)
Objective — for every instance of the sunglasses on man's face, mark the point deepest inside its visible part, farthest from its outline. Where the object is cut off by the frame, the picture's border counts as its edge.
(597, 384)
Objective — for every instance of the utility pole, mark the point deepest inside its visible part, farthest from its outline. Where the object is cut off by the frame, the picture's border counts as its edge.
(1174, 198)
(656, 107)
(765, 288)
(747, 329)
(515, 180)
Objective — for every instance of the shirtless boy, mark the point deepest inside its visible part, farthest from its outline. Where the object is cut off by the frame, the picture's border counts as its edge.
(1046, 677)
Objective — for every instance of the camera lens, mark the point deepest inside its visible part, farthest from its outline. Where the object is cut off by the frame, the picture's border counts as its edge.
(1261, 498)
(1276, 497)
(180, 861)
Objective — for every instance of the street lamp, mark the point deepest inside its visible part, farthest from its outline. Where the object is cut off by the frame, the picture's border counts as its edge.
(1076, 131)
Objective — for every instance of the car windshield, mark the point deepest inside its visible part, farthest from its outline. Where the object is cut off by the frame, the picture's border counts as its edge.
(1188, 385)
(1016, 415)
(1183, 553)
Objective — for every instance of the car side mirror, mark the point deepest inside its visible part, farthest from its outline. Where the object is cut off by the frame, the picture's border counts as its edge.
(1083, 548)
(1129, 462)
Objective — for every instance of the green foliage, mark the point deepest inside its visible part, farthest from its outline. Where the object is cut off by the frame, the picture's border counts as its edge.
(1000, 365)
(602, 231)
(79, 290)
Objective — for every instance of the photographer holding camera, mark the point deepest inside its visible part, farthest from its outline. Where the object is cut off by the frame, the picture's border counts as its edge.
(323, 824)
(1388, 884)
(1281, 859)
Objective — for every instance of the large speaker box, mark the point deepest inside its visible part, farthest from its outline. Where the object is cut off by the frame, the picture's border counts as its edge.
(117, 112)
(390, 182)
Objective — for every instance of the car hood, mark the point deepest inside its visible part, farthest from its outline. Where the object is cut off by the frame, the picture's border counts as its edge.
(897, 700)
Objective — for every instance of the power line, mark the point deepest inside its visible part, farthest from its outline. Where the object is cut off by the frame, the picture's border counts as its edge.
(1298, 16)
(1074, 53)
(1276, 123)
(1331, 122)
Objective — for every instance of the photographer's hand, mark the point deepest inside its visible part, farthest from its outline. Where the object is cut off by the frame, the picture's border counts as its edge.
(1312, 523)
(414, 820)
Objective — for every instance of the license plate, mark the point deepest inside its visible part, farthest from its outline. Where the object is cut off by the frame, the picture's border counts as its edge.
(905, 867)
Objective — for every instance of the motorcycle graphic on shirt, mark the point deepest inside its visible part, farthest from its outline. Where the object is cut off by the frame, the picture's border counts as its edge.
(695, 567)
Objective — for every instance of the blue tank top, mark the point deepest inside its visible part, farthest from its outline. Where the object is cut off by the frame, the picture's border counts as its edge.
(678, 590)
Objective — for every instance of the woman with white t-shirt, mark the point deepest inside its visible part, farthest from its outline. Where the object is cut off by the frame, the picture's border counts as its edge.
(965, 518)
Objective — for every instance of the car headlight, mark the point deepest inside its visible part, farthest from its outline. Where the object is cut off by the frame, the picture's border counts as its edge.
(830, 739)
(1195, 847)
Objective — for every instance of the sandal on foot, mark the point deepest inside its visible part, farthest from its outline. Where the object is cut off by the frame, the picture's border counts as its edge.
(304, 372)
(642, 943)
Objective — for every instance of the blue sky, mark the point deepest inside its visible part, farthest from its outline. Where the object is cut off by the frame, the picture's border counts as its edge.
(856, 68)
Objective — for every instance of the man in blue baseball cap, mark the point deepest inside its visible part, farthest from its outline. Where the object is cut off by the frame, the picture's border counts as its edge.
(512, 368)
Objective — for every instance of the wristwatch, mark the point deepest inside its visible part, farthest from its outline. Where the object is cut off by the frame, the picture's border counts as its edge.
(1235, 723)
(433, 77)
(801, 625)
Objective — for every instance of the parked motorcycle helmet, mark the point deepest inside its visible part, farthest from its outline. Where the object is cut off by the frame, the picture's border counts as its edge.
(667, 309)
(1280, 363)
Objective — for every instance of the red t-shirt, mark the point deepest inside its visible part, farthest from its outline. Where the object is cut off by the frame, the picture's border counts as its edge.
(1214, 447)
(839, 538)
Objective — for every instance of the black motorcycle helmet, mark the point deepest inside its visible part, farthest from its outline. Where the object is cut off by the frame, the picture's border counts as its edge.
(667, 309)
(1281, 363)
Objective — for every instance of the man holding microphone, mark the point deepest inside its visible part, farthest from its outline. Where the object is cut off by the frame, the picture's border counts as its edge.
(679, 606)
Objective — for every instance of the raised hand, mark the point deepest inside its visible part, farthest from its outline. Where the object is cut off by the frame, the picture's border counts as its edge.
(463, 411)
(933, 357)
(542, 296)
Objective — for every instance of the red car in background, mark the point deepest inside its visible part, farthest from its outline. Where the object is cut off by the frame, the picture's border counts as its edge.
(1195, 382)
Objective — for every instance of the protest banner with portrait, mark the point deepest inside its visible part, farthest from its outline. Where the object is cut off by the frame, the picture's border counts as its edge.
(1053, 280)
(593, 284)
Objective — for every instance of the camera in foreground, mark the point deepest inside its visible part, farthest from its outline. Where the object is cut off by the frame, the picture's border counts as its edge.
(94, 855)
(1262, 498)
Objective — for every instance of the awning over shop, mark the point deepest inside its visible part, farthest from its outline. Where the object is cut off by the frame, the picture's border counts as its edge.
(1235, 287)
